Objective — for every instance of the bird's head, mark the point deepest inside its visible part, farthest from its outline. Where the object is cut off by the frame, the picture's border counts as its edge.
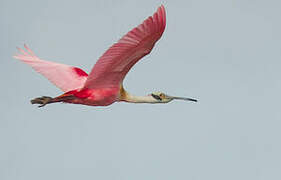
(164, 98)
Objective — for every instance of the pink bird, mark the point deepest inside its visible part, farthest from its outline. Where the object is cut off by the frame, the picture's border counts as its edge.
(104, 85)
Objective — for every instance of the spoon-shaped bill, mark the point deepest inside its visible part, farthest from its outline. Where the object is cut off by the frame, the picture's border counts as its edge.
(182, 98)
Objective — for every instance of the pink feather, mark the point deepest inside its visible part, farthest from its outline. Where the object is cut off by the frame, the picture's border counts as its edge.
(114, 64)
(63, 76)
(102, 86)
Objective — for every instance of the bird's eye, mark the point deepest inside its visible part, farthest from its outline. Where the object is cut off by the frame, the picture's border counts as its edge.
(156, 97)
(161, 95)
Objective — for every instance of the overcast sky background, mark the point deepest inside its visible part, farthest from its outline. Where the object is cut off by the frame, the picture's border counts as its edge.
(226, 53)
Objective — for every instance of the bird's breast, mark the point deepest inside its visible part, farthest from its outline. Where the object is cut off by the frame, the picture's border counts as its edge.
(101, 97)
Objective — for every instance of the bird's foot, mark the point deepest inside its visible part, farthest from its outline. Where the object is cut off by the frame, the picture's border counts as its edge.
(42, 100)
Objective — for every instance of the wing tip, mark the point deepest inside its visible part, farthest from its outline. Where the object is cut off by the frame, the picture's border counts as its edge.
(16, 57)
(161, 12)
(25, 46)
(162, 7)
(25, 54)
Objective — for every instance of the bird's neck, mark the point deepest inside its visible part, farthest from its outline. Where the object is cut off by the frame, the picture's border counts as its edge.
(127, 97)
(140, 99)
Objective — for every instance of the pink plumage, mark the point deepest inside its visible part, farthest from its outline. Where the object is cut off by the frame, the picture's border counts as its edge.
(103, 86)
(114, 64)
(63, 76)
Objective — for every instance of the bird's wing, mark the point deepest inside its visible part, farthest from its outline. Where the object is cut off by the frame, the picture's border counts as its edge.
(65, 77)
(114, 64)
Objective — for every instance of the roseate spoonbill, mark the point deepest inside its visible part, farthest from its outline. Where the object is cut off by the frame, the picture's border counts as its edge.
(104, 85)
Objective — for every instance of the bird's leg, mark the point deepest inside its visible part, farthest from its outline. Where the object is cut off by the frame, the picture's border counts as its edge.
(42, 100)
(48, 100)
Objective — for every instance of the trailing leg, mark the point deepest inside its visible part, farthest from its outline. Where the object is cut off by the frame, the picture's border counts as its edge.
(42, 100)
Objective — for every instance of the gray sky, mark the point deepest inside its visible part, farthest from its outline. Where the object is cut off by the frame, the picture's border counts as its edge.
(225, 53)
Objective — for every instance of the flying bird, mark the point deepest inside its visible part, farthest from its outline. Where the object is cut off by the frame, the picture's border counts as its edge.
(104, 85)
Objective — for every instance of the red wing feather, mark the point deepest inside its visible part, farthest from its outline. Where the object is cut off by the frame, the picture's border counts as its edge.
(114, 64)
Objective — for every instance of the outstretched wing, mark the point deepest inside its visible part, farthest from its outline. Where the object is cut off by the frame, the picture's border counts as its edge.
(65, 77)
(114, 64)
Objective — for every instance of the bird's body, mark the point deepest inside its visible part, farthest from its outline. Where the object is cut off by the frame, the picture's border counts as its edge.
(104, 84)
(93, 97)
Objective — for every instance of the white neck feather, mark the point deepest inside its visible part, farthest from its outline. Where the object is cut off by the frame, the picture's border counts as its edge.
(139, 99)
